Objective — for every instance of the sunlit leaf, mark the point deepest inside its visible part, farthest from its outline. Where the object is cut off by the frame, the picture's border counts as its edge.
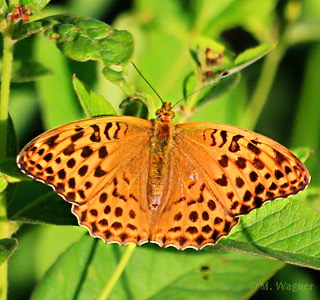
(93, 104)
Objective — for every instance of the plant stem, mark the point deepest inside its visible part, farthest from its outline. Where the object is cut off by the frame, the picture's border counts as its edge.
(3, 280)
(3, 234)
(262, 90)
(191, 102)
(4, 105)
(5, 90)
(117, 273)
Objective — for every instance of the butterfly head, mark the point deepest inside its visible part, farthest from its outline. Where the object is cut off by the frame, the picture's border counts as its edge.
(165, 112)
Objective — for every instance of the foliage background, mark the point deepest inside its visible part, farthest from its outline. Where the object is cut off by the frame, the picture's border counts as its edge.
(162, 31)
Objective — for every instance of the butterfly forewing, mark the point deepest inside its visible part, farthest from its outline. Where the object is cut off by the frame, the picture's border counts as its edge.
(242, 168)
(99, 165)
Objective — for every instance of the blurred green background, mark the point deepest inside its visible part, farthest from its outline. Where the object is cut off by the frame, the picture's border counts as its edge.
(163, 31)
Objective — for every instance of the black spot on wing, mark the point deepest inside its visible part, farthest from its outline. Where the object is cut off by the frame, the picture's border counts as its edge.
(68, 150)
(241, 163)
(278, 174)
(103, 152)
(48, 157)
(71, 163)
(115, 135)
(223, 161)
(77, 136)
(95, 137)
(223, 181)
(86, 151)
(51, 141)
(239, 182)
(279, 157)
(223, 135)
(254, 148)
(234, 146)
(99, 172)
(106, 130)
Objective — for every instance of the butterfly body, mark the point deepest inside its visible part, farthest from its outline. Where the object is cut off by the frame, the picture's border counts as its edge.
(135, 181)
(161, 144)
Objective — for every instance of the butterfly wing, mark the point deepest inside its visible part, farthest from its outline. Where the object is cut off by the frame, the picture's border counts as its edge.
(100, 165)
(221, 172)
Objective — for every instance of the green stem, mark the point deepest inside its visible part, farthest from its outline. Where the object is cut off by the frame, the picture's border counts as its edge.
(262, 90)
(4, 225)
(191, 102)
(3, 234)
(3, 280)
(5, 90)
(4, 106)
(117, 273)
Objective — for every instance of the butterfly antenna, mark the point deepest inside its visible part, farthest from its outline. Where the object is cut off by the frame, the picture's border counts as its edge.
(147, 82)
(204, 86)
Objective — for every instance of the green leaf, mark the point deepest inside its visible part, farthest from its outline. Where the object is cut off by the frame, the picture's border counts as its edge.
(116, 77)
(12, 149)
(27, 70)
(35, 4)
(163, 274)
(221, 83)
(35, 202)
(145, 99)
(12, 143)
(92, 104)
(7, 246)
(8, 167)
(285, 229)
(213, 91)
(42, 245)
(217, 70)
(83, 38)
(3, 182)
(47, 209)
(250, 56)
(225, 85)
(303, 153)
(58, 102)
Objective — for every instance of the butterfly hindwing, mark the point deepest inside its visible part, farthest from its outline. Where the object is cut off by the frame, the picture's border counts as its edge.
(119, 212)
(193, 216)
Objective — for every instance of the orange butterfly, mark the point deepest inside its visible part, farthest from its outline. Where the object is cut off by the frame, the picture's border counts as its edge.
(134, 181)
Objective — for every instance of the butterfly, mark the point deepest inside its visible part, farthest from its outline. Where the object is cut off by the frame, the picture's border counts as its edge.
(132, 180)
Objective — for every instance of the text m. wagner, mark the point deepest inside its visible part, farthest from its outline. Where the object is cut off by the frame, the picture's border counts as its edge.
(293, 287)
